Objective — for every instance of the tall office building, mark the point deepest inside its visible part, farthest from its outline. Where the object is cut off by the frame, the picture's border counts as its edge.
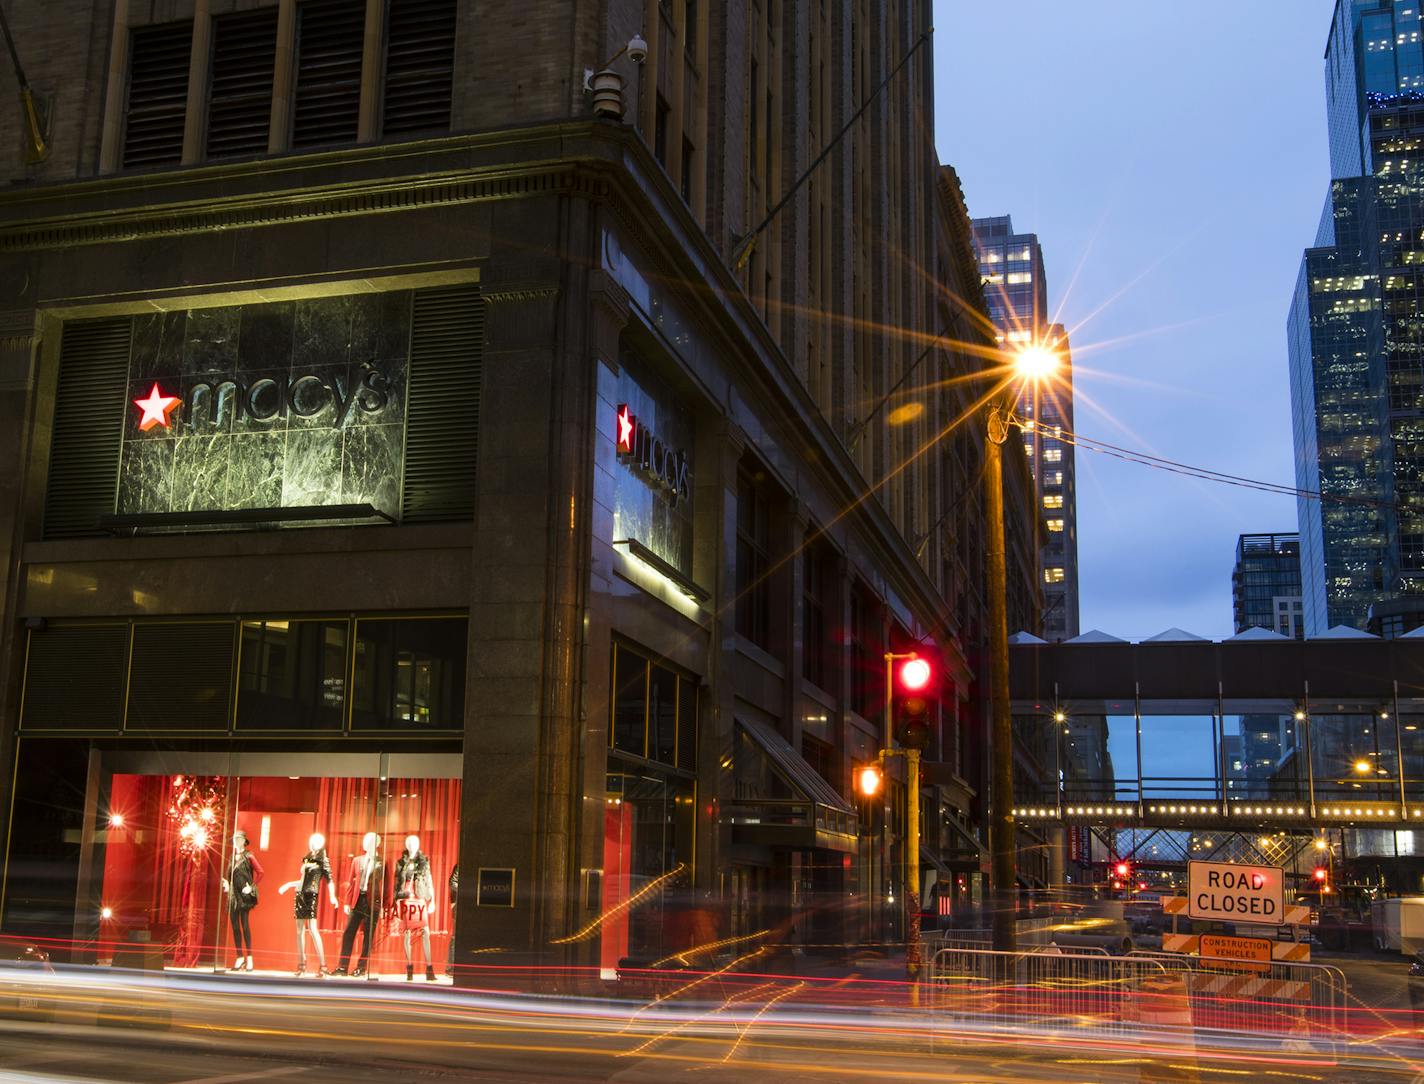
(1355, 329)
(1265, 585)
(1016, 290)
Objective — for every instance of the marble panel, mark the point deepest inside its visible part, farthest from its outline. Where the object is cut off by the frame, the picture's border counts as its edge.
(146, 476)
(256, 469)
(319, 399)
(200, 472)
(211, 403)
(311, 472)
(210, 342)
(157, 350)
(380, 326)
(323, 331)
(392, 383)
(267, 336)
(371, 466)
(263, 392)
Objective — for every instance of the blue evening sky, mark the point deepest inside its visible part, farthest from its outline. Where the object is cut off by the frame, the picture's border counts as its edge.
(1172, 159)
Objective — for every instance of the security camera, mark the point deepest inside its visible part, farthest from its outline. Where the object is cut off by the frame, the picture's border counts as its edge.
(637, 49)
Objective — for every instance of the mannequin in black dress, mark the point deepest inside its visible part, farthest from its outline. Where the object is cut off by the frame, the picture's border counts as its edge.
(316, 867)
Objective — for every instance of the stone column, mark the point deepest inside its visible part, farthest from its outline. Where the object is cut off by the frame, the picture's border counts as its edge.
(719, 449)
(524, 706)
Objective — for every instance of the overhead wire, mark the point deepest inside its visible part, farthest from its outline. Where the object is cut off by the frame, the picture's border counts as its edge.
(1144, 459)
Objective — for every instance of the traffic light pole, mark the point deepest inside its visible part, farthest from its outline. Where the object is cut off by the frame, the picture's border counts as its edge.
(912, 817)
(1001, 732)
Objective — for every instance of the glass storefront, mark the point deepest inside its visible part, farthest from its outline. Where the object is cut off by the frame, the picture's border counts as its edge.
(171, 846)
(649, 816)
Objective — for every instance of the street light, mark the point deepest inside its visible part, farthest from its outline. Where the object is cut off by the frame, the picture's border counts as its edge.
(1363, 766)
(1032, 365)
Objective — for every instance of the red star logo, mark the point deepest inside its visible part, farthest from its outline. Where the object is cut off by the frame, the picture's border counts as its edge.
(625, 429)
(156, 409)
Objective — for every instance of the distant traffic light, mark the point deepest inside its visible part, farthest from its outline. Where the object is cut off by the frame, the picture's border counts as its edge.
(1122, 869)
(914, 690)
(868, 781)
(1321, 874)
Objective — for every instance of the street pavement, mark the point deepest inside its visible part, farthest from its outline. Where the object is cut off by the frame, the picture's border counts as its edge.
(90, 1026)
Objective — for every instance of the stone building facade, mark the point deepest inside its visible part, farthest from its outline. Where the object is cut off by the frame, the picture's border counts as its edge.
(399, 449)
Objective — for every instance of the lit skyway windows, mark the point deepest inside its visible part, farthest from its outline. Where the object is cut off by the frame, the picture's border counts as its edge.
(1055, 525)
(1053, 575)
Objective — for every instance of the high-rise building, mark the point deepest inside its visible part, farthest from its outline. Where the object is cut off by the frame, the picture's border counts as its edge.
(1265, 585)
(1016, 290)
(1355, 325)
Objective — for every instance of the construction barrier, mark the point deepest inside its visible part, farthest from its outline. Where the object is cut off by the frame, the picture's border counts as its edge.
(1118, 995)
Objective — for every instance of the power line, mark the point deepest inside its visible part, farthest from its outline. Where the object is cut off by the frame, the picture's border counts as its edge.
(1092, 444)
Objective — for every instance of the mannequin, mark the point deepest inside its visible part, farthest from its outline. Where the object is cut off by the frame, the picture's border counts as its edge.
(316, 867)
(240, 887)
(415, 889)
(362, 892)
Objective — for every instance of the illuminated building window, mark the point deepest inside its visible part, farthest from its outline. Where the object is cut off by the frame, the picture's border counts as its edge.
(1053, 455)
(1053, 575)
(1055, 525)
(1053, 478)
(1020, 336)
(1053, 500)
(993, 280)
(1015, 278)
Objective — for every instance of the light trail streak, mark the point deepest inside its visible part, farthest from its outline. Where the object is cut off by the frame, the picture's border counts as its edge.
(711, 946)
(742, 1034)
(594, 926)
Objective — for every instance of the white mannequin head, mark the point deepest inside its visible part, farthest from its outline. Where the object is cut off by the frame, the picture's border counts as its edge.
(239, 840)
(412, 844)
(316, 842)
(369, 842)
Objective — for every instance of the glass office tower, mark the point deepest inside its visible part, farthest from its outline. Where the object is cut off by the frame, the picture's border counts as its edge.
(1265, 585)
(1356, 328)
(1016, 289)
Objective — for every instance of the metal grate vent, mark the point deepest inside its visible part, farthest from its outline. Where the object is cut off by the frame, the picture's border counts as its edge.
(420, 66)
(330, 39)
(84, 452)
(74, 678)
(180, 677)
(159, 57)
(442, 415)
(240, 101)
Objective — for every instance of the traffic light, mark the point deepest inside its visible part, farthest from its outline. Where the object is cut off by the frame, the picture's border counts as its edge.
(1122, 869)
(868, 780)
(914, 692)
(1321, 874)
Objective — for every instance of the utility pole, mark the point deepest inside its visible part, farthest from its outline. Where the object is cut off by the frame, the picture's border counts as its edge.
(1003, 897)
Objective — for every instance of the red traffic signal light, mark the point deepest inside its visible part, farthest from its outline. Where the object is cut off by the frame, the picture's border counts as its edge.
(1122, 869)
(914, 682)
(1321, 873)
(914, 675)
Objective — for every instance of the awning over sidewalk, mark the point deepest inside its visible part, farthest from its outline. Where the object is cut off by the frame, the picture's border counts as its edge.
(796, 807)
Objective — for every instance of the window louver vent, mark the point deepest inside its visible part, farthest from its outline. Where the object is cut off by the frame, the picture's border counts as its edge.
(84, 450)
(158, 94)
(240, 103)
(74, 678)
(443, 410)
(180, 676)
(328, 92)
(420, 66)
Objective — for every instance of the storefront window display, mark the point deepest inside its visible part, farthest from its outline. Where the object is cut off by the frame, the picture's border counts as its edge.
(295, 875)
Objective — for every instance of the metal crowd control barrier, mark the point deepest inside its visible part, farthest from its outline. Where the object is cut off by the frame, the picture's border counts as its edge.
(1089, 992)
(1307, 1000)
(1113, 995)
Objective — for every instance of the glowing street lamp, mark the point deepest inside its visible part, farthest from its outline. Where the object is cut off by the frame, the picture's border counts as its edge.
(1034, 365)
(1036, 362)
(1363, 766)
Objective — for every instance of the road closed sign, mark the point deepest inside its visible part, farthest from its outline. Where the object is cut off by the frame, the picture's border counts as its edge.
(1230, 892)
